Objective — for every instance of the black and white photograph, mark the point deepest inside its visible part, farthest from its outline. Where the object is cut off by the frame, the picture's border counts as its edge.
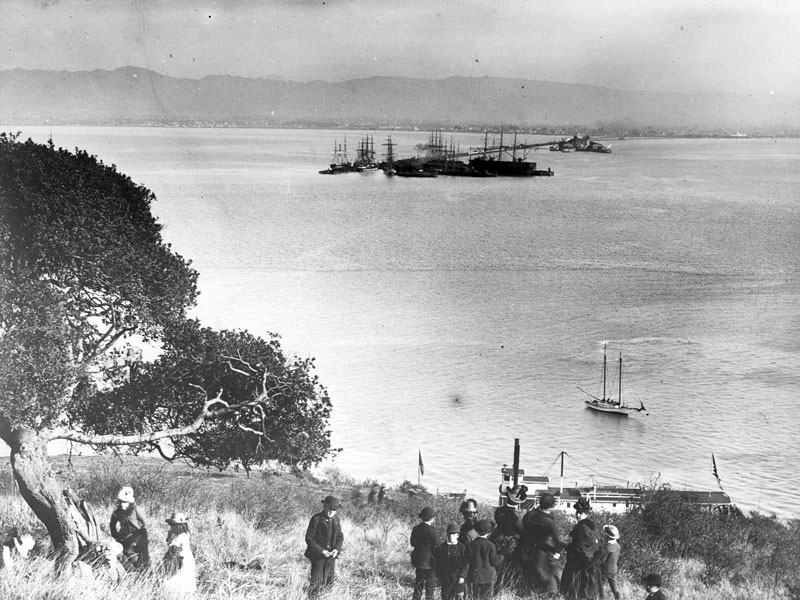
(349, 299)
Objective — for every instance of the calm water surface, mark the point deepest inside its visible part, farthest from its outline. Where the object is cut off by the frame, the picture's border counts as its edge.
(450, 316)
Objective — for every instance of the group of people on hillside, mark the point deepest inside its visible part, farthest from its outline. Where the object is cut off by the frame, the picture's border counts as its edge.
(129, 529)
(517, 550)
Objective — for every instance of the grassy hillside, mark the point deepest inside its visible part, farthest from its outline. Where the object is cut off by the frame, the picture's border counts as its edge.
(247, 535)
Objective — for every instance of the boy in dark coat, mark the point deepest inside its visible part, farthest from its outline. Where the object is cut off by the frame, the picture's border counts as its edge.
(652, 583)
(324, 539)
(425, 543)
(452, 565)
(483, 560)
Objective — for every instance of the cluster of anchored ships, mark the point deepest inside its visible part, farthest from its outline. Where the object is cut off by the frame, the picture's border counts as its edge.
(440, 158)
(611, 499)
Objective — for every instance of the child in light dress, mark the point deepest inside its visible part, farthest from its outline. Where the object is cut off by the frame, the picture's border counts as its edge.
(179, 565)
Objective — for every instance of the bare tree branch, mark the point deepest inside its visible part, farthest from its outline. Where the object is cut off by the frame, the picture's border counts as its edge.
(140, 438)
(225, 410)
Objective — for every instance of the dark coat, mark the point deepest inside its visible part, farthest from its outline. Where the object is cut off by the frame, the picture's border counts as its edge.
(425, 543)
(539, 545)
(657, 595)
(584, 544)
(323, 534)
(582, 578)
(125, 525)
(452, 562)
(539, 532)
(611, 560)
(483, 559)
(467, 533)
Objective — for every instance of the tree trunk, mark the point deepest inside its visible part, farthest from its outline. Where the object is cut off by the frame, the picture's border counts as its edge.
(43, 493)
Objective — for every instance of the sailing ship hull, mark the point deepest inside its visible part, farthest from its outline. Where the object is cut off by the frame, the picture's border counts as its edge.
(508, 168)
(608, 408)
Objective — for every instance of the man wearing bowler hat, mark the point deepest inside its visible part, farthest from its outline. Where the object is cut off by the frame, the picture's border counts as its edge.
(324, 543)
(423, 557)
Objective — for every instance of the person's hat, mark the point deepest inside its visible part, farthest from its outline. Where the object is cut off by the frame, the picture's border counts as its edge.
(453, 528)
(611, 532)
(331, 502)
(177, 518)
(468, 505)
(484, 526)
(547, 501)
(516, 494)
(126, 495)
(427, 513)
(653, 579)
(113, 547)
(583, 506)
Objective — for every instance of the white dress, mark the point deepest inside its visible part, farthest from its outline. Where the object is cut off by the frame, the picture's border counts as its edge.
(181, 580)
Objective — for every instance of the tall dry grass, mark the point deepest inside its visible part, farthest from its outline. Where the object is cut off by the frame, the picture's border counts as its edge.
(248, 539)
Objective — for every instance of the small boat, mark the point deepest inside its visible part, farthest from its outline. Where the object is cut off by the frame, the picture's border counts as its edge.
(607, 404)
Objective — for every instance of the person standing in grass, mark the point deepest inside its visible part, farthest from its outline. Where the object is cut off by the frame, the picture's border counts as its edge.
(129, 528)
(540, 548)
(469, 510)
(451, 565)
(505, 538)
(483, 561)
(581, 579)
(324, 541)
(179, 564)
(610, 563)
(652, 583)
(424, 542)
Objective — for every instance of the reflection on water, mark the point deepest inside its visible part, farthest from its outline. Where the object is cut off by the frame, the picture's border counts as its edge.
(450, 316)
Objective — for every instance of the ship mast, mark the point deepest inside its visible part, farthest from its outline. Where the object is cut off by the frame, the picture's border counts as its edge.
(500, 147)
(514, 151)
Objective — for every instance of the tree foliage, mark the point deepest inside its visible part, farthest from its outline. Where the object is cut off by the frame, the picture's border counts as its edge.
(83, 270)
(282, 409)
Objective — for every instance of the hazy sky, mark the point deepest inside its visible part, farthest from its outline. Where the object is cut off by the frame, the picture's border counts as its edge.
(744, 46)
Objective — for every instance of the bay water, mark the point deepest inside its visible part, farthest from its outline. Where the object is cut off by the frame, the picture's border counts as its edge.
(450, 316)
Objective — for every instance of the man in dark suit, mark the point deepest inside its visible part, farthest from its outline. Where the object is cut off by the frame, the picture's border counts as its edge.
(425, 543)
(324, 540)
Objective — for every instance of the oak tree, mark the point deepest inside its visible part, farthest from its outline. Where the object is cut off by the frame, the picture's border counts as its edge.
(84, 273)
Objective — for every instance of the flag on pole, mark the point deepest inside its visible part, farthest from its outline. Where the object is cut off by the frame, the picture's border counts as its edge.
(421, 466)
(714, 470)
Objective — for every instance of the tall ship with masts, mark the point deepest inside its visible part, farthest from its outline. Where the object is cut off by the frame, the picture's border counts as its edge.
(504, 161)
(365, 159)
(341, 163)
(607, 404)
(388, 167)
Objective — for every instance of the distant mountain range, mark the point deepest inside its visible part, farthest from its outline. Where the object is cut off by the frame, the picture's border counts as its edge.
(136, 96)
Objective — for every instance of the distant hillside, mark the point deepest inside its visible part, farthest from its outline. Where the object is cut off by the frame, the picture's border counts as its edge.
(132, 95)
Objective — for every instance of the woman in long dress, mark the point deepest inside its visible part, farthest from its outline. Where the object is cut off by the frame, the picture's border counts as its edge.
(581, 579)
(179, 565)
